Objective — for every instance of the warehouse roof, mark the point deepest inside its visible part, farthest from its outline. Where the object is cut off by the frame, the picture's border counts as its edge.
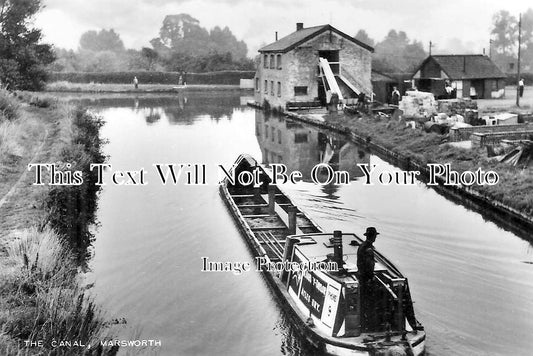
(291, 41)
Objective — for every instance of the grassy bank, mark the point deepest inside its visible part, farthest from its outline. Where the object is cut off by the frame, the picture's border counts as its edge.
(515, 188)
(42, 298)
(226, 77)
(64, 86)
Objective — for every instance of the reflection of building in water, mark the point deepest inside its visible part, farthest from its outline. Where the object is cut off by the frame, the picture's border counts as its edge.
(301, 147)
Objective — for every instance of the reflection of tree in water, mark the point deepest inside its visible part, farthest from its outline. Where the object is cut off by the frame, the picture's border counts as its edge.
(180, 108)
(188, 108)
(153, 116)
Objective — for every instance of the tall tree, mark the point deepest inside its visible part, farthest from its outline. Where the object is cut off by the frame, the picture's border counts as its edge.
(183, 34)
(396, 53)
(527, 40)
(22, 57)
(103, 40)
(363, 36)
(504, 32)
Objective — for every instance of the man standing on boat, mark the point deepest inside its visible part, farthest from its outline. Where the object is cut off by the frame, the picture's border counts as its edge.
(365, 267)
(365, 255)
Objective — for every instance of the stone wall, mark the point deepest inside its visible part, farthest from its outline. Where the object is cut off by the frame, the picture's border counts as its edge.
(300, 68)
(486, 139)
(464, 133)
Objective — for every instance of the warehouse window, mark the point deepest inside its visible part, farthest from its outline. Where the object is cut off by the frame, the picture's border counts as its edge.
(300, 137)
(265, 61)
(272, 60)
(278, 61)
(266, 86)
(279, 89)
(271, 87)
(299, 91)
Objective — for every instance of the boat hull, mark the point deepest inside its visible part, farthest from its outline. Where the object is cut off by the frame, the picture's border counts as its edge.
(414, 342)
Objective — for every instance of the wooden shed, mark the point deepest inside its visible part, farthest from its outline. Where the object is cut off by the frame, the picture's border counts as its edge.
(470, 76)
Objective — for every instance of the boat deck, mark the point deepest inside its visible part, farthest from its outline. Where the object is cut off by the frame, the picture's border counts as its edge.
(271, 230)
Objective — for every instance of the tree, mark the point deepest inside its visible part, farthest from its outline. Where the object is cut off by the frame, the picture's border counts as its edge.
(22, 57)
(396, 53)
(504, 35)
(364, 37)
(182, 40)
(150, 56)
(182, 33)
(103, 40)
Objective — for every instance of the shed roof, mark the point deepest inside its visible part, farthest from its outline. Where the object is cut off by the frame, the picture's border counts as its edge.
(296, 38)
(469, 66)
(377, 76)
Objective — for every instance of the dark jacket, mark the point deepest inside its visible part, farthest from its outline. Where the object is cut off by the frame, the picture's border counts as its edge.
(365, 259)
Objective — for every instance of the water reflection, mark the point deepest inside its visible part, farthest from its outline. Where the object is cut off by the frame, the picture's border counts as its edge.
(178, 108)
(151, 239)
(301, 147)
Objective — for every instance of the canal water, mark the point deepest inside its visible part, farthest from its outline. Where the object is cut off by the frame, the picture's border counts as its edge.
(471, 280)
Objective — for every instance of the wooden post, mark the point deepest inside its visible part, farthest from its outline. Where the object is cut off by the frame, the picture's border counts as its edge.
(272, 199)
(401, 318)
(287, 254)
(291, 211)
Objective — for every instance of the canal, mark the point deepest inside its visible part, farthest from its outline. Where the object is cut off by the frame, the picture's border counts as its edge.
(471, 280)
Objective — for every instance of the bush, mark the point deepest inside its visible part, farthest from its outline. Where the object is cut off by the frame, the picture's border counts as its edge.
(47, 295)
(71, 208)
(223, 77)
(9, 106)
(511, 79)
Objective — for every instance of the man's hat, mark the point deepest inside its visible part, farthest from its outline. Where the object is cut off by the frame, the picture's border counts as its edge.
(371, 231)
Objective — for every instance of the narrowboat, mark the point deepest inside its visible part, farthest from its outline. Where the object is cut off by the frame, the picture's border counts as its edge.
(314, 273)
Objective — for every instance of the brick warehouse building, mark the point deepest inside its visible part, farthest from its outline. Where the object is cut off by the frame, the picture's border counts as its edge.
(291, 72)
(472, 75)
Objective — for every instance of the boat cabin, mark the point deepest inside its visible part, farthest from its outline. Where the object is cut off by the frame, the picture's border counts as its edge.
(337, 303)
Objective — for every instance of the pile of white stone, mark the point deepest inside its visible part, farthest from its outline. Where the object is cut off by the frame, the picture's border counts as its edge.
(418, 105)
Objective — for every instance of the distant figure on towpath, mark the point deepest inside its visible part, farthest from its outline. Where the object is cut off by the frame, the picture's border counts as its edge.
(136, 82)
(521, 87)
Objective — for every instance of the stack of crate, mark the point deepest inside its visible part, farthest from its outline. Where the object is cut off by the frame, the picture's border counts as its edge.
(418, 105)
(467, 108)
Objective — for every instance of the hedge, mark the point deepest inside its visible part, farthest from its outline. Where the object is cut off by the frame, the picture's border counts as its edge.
(511, 78)
(223, 77)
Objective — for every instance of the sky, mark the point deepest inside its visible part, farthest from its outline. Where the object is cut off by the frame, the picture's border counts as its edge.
(457, 26)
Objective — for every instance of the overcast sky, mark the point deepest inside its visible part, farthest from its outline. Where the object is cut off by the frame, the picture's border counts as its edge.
(138, 21)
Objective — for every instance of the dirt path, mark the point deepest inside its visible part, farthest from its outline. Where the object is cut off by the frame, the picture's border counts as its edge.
(38, 151)
(20, 201)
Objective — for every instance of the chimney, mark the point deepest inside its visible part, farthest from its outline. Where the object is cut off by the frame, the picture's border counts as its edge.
(337, 249)
(299, 26)
(276, 35)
